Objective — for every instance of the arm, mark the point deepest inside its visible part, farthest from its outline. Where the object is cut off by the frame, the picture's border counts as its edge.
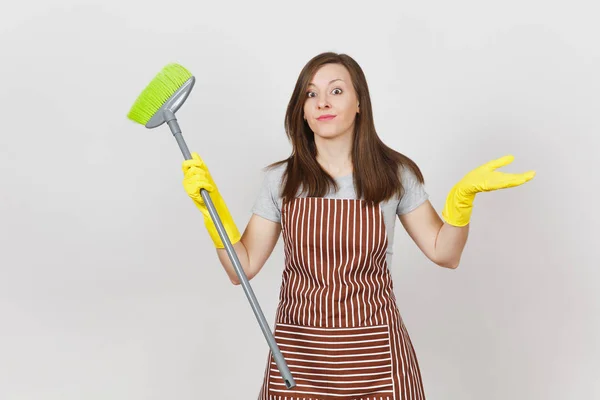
(254, 248)
(441, 242)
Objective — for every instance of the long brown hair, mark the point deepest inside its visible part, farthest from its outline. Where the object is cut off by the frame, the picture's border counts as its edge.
(376, 167)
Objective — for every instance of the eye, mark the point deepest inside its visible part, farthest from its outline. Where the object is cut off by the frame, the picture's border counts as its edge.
(340, 90)
(308, 94)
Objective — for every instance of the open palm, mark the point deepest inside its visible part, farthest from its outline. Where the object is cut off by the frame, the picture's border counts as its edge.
(485, 178)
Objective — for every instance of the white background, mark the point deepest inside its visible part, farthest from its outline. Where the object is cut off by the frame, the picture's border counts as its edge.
(110, 287)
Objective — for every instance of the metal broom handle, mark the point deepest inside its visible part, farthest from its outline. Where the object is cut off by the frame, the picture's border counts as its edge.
(279, 360)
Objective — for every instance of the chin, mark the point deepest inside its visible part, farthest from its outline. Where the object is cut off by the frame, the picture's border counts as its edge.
(328, 132)
(327, 135)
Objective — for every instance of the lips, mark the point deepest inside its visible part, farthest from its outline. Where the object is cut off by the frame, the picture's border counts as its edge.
(326, 117)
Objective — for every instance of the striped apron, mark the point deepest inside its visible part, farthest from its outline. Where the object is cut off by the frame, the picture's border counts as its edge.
(337, 322)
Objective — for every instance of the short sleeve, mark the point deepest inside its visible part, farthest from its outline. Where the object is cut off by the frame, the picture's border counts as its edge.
(414, 193)
(266, 204)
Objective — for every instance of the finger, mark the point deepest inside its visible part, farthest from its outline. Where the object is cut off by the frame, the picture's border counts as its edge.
(195, 180)
(499, 162)
(512, 180)
(195, 172)
(195, 161)
(524, 177)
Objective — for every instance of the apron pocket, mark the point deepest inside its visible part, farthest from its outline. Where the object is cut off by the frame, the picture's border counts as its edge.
(334, 363)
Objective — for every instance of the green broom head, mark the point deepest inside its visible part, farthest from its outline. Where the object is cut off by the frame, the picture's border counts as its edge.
(158, 91)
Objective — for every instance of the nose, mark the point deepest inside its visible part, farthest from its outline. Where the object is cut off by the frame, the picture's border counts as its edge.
(323, 102)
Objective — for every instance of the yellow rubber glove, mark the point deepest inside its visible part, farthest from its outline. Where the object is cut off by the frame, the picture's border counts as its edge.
(195, 177)
(485, 178)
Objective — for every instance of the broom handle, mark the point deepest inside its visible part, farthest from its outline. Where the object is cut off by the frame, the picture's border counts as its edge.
(279, 360)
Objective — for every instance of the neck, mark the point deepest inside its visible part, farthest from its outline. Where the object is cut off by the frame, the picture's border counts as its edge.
(335, 155)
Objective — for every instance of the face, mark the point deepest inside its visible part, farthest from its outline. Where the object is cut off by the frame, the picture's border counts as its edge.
(331, 103)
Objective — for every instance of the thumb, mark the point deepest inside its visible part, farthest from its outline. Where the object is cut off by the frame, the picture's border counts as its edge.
(196, 157)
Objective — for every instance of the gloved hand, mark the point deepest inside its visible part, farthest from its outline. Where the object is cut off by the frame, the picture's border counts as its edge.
(196, 177)
(485, 178)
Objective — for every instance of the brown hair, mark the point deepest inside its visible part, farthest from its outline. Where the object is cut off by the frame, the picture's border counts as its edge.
(378, 177)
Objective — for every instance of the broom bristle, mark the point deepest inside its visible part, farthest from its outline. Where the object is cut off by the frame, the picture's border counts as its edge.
(158, 91)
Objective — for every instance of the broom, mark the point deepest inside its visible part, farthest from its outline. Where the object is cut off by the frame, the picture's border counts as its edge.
(157, 104)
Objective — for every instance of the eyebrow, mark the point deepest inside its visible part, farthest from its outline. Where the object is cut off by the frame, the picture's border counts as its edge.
(330, 82)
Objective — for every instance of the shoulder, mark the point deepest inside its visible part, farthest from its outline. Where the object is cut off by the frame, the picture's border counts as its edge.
(274, 174)
(268, 203)
(273, 179)
(413, 189)
(408, 175)
(276, 171)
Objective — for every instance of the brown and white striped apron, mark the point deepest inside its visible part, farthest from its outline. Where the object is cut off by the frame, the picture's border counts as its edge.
(337, 323)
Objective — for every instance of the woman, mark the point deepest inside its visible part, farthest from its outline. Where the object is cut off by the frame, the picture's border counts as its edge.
(335, 200)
